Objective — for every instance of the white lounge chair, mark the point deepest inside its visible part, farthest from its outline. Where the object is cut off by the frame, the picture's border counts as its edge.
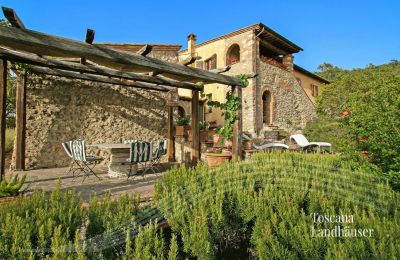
(302, 141)
(267, 145)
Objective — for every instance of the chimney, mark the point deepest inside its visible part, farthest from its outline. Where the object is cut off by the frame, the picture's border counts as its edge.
(191, 44)
(288, 61)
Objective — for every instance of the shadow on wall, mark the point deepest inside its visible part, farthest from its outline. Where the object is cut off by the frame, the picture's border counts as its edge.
(59, 110)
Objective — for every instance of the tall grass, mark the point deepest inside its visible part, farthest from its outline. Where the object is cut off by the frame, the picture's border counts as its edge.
(9, 139)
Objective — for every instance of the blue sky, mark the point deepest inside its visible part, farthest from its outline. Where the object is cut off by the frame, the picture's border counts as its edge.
(349, 34)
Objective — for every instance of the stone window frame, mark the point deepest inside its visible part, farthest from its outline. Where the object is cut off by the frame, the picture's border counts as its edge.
(228, 52)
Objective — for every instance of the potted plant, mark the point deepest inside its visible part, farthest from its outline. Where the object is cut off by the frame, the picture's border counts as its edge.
(205, 132)
(182, 126)
(229, 109)
(217, 156)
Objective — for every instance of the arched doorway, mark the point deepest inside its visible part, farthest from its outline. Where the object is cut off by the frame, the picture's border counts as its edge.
(267, 107)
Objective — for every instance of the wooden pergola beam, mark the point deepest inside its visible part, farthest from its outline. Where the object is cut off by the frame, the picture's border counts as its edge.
(195, 128)
(49, 45)
(91, 69)
(3, 100)
(189, 60)
(221, 70)
(13, 18)
(20, 122)
(145, 50)
(96, 78)
(237, 128)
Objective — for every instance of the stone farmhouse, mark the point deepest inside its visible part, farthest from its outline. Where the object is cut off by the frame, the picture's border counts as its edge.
(282, 96)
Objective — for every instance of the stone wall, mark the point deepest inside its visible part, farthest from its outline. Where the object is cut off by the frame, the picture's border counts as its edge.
(291, 106)
(60, 109)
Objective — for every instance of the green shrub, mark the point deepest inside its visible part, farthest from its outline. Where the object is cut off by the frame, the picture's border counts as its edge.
(267, 206)
(32, 226)
(371, 99)
(12, 187)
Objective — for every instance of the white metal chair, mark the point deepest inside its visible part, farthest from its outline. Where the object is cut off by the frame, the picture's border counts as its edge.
(267, 145)
(140, 153)
(303, 143)
(67, 149)
(161, 150)
(82, 160)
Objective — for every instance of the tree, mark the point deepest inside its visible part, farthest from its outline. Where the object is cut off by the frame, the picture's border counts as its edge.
(364, 106)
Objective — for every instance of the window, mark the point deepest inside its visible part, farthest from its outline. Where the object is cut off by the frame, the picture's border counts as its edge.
(314, 90)
(211, 63)
(233, 55)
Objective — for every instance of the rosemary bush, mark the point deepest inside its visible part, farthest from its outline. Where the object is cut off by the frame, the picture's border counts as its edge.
(267, 206)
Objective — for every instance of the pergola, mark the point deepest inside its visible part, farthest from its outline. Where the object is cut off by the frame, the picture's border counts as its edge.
(98, 63)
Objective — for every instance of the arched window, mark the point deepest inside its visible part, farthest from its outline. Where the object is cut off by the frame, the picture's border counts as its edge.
(179, 111)
(267, 107)
(233, 55)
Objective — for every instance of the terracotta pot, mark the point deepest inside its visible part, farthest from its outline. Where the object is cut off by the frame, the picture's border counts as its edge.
(182, 130)
(215, 159)
(247, 144)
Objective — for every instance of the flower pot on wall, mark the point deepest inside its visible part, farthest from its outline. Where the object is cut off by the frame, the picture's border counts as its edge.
(215, 159)
(182, 130)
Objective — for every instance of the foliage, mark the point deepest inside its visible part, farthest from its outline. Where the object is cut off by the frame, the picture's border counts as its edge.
(330, 72)
(363, 106)
(264, 209)
(11, 188)
(204, 125)
(229, 108)
(56, 226)
(183, 120)
(244, 79)
(9, 139)
(111, 219)
(36, 225)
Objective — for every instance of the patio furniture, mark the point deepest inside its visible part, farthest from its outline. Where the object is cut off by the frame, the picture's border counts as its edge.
(117, 165)
(161, 150)
(266, 145)
(140, 153)
(303, 143)
(67, 149)
(85, 162)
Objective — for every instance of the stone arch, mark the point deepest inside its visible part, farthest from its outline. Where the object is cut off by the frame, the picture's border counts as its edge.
(179, 111)
(233, 54)
(267, 102)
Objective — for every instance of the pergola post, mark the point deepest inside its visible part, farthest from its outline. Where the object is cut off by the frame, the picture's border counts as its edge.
(237, 127)
(20, 122)
(170, 134)
(195, 127)
(3, 100)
